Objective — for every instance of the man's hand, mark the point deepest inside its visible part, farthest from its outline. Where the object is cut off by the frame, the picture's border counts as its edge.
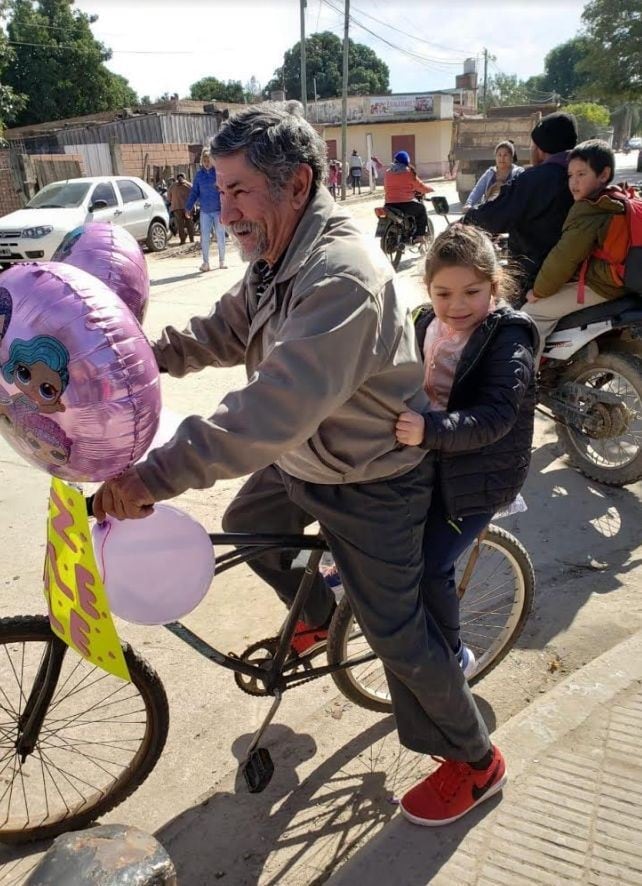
(126, 498)
(188, 213)
(530, 296)
(410, 428)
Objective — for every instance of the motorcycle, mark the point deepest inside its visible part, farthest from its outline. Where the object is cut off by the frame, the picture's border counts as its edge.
(590, 385)
(397, 232)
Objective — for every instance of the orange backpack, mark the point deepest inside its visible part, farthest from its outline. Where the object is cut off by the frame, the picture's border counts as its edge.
(622, 247)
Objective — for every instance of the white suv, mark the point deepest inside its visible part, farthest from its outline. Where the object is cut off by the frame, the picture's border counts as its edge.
(35, 232)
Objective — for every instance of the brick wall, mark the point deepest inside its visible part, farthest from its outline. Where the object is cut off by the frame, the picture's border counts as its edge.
(10, 199)
(78, 158)
(133, 157)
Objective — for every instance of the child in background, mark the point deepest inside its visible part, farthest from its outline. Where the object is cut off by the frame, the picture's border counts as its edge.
(590, 170)
(478, 356)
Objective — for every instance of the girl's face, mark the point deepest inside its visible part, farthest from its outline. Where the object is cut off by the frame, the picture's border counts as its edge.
(460, 297)
(504, 158)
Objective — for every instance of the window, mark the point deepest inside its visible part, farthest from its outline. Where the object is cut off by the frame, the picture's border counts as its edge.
(129, 191)
(105, 191)
(59, 195)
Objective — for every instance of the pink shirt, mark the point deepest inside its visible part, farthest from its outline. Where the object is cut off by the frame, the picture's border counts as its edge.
(443, 348)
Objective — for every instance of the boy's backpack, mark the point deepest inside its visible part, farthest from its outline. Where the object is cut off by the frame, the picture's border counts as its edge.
(622, 247)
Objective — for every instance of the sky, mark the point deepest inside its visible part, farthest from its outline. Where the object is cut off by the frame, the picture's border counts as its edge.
(164, 46)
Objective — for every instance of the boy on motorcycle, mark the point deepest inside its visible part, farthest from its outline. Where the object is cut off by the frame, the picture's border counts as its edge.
(401, 186)
(591, 167)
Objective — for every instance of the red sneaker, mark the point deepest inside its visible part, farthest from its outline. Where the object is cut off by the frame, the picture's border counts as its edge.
(306, 638)
(452, 790)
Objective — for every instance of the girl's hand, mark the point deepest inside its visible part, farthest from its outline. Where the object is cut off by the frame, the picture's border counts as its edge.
(410, 428)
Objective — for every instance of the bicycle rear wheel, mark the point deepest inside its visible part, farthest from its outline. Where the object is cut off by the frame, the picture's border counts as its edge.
(494, 608)
(100, 739)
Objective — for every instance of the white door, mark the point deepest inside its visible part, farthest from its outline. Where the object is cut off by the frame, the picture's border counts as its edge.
(113, 212)
(137, 207)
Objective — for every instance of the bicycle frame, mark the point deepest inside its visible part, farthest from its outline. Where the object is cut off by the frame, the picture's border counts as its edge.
(274, 674)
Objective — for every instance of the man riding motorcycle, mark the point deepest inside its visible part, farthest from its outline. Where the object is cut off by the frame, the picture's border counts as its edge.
(401, 187)
(533, 207)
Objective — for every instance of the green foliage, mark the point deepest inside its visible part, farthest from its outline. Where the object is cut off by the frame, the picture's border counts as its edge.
(613, 62)
(211, 89)
(563, 74)
(505, 89)
(367, 74)
(591, 118)
(59, 64)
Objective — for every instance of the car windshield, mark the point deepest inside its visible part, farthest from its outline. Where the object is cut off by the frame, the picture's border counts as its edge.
(60, 195)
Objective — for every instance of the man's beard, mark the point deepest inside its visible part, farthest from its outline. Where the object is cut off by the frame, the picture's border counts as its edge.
(260, 239)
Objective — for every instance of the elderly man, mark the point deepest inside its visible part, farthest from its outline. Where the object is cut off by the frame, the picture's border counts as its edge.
(331, 362)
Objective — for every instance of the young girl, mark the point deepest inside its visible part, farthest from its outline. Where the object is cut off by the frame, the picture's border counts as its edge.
(478, 357)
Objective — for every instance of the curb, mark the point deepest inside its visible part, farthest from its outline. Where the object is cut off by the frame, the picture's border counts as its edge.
(523, 739)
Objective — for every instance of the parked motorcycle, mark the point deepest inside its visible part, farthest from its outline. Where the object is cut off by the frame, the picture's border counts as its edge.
(590, 384)
(398, 232)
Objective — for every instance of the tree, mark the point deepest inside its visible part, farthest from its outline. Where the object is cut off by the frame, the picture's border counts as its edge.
(563, 75)
(505, 89)
(591, 118)
(59, 64)
(613, 62)
(253, 90)
(211, 89)
(11, 102)
(367, 74)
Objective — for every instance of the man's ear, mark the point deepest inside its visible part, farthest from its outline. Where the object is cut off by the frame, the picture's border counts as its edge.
(605, 175)
(301, 185)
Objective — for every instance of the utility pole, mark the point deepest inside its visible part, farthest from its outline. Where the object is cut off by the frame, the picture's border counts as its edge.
(344, 102)
(304, 80)
(485, 80)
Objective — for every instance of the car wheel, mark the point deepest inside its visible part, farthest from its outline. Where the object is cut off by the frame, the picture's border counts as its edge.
(156, 236)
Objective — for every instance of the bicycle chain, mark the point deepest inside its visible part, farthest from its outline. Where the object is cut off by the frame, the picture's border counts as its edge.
(253, 685)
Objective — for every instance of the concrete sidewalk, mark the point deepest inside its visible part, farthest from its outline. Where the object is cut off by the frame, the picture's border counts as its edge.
(572, 809)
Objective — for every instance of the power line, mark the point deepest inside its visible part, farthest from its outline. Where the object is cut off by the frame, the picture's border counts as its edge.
(431, 64)
(412, 36)
(77, 48)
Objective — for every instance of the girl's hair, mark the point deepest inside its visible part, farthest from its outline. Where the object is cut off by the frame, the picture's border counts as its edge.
(41, 349)
(6, 309)
(469, 247)
(509, 145)
(47, 431)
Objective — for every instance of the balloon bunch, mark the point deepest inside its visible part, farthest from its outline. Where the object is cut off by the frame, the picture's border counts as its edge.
(79, 385)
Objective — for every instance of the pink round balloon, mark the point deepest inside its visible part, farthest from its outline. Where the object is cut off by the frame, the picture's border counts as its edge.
(110, 253)
(156, 569)
(79, 385)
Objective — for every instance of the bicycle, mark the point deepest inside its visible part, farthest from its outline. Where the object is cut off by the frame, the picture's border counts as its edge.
(76, 741)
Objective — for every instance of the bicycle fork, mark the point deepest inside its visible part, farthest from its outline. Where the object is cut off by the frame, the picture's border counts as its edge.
(44, 687)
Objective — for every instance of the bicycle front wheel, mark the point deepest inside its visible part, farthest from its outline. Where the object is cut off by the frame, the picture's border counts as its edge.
(100, 739)
(494, 607)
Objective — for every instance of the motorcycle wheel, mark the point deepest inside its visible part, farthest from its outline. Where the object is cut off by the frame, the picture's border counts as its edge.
(392, 245)
(615, 461)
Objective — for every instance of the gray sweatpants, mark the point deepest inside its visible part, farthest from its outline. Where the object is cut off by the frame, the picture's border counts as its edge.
(375, 532)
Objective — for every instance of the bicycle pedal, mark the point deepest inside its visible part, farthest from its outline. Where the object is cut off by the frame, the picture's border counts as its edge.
(258, 770)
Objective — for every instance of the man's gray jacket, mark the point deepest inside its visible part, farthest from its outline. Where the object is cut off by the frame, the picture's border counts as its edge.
(331, 361)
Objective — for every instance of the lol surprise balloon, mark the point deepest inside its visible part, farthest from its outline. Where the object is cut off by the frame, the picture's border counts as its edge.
(110, 253)
(79, 386)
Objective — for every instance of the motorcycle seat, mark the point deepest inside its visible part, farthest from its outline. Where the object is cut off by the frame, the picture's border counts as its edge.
(611, 309)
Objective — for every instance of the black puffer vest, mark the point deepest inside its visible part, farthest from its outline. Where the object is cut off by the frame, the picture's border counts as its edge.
(483, 440)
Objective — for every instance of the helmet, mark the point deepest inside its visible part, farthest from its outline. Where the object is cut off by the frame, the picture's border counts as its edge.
(402, 157)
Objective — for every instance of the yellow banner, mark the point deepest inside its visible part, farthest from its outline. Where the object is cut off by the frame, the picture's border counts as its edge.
(78, 608)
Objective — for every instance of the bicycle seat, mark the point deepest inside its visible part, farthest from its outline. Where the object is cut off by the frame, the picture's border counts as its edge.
(612, 309)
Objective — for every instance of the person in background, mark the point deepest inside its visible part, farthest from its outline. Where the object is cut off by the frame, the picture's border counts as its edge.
(334, 177)
(532, 208)
(205, 192)
(178, 195)
(401, 185)
(490, 183)
(556, 292)
(356, 168)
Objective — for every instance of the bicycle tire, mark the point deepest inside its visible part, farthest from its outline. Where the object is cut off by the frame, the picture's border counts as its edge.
(342, 622)
(26, 629)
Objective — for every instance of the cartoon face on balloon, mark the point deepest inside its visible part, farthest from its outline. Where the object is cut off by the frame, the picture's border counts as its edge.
(82, 395)
(39, 369)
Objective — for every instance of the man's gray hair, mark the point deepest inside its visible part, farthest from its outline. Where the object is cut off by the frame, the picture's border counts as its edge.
(276, 139)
